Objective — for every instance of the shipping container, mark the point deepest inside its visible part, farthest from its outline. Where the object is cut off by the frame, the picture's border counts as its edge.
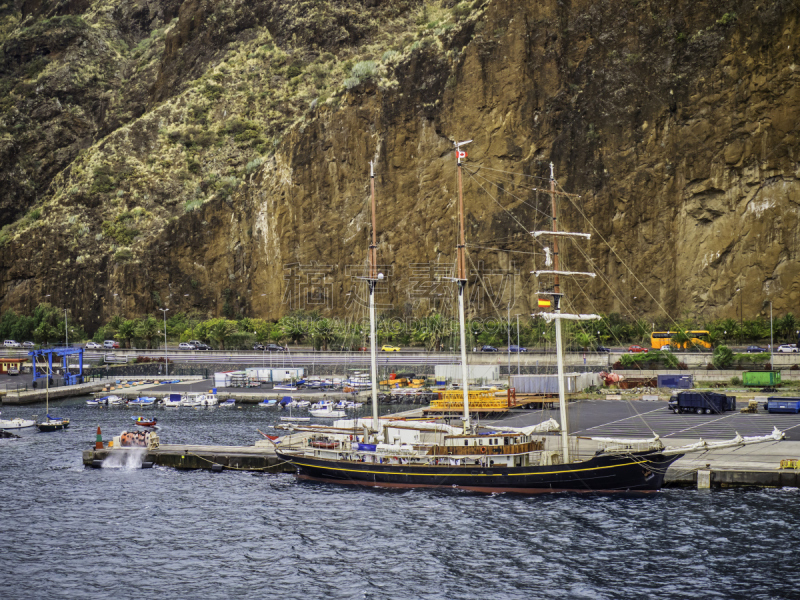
(681, 382)
(783, 405)
(761, 378)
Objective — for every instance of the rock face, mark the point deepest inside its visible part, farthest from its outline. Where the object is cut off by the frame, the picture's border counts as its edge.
(203, 155)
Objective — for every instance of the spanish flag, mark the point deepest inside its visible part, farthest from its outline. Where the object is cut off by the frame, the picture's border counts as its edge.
(543, 302)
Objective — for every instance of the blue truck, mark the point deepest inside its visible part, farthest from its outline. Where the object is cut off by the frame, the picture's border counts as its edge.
(701, 403)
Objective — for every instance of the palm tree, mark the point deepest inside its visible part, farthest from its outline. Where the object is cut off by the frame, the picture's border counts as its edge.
(147, 329)
(786, 326)
(681, 339)
(126, 331)
(221, 331)
(584, 339)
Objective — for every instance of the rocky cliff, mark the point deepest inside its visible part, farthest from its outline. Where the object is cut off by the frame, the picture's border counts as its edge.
(215, 156)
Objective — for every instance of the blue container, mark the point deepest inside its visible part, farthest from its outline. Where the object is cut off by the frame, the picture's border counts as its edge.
(783, 405)
(366, 447)
(213, 390)
(681, 382)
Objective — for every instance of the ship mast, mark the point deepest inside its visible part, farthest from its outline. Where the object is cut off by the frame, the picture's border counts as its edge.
(556, 315)
(461, 279)
(372, 279)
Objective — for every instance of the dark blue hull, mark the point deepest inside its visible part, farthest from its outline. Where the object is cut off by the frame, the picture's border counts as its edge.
(603, 473)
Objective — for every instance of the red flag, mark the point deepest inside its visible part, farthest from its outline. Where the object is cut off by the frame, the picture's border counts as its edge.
(462, 154)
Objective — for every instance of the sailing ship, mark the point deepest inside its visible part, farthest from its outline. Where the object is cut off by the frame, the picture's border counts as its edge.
(504, 459)
(50, 423)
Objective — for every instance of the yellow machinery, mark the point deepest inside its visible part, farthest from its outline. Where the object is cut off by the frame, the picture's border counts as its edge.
(480, 401)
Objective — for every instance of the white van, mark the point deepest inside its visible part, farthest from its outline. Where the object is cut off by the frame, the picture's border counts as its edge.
(11, 344)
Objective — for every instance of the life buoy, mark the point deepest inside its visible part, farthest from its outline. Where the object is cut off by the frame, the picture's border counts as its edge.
(483, 449)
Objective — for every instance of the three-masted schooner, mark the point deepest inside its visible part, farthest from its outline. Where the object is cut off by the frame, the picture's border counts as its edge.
(399, 453)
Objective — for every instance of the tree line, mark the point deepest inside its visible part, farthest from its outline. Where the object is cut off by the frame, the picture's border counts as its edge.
(435, 332)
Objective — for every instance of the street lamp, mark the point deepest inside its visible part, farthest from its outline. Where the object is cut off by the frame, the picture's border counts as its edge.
(166, 359)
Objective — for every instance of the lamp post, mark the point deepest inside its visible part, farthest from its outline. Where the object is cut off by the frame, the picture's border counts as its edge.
(518, 345)
(166, 359)
(771, 344)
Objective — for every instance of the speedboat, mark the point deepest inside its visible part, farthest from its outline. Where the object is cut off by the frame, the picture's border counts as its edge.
(230, 402)
(93, 402)
(286, 387)
(302, 403)
(16, 423)
(267, 402)
(144, 421)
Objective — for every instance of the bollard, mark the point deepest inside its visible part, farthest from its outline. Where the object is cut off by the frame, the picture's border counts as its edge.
(703, 480)
(98, 445)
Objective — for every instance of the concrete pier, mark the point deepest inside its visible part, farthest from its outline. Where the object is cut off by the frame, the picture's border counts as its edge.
(55, 393)
(260, 457)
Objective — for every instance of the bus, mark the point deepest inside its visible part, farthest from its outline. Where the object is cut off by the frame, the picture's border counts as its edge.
(659, 339)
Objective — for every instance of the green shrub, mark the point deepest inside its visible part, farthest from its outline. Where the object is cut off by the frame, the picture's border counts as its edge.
(123, 255)
(389, 55)
(722, 358)
(726, 19)
(351, 82)
(192, 205)
(736, 381)
(462, 9)
(364, 69)
(293, 71)
(253, 165)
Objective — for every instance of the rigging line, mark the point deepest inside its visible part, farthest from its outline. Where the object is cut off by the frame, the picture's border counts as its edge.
(517, 221)
(500, 249)
(483, 283)
(537, 209)
(515, 173)
(633, 274)
(605, 280)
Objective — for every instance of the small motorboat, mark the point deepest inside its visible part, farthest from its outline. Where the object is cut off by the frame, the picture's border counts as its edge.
(16, 423)
(230, 402)
(302, 403)
(327, 411)
(142, 401)
(111, 400)
(93, 402)
(267, 402)
(145, 421)
(172, 401)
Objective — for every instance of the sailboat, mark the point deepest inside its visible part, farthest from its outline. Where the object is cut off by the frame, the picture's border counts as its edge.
(50, 423)
(505, 459)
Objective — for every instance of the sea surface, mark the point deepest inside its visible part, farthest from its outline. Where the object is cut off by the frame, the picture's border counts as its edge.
(72, 532)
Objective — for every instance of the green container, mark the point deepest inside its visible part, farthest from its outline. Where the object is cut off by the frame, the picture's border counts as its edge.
(761, 378)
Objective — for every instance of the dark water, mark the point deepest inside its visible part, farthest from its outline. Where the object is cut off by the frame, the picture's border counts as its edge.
(70, 532)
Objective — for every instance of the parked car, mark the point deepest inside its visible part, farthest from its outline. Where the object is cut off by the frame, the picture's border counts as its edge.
(28, 345)
(11, 344)
(636, 348)
(787, 348)
(488, 349)
(515, 348)
(93, 346)
(274, 348)
(198, 345)
(258, 346)
(602, 349)
(12, 371)
(110, 344)
(755, 349)
(186, 346)
(388, 348)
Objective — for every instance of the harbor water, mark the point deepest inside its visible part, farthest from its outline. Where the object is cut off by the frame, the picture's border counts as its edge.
(72, 532)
